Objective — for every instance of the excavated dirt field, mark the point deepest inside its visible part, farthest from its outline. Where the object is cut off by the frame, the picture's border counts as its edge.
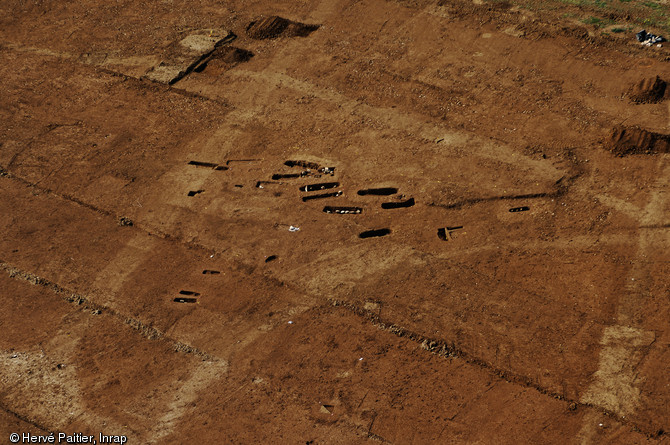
(332, 222)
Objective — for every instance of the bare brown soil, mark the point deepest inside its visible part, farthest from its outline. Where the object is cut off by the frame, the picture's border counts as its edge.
(331, 222)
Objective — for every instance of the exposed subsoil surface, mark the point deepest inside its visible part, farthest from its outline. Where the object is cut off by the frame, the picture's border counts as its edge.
(331, 222)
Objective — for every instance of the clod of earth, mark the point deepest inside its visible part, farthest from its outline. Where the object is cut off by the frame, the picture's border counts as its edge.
(125, 222)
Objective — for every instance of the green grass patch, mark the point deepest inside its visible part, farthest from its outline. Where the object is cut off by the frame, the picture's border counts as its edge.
(649, 14)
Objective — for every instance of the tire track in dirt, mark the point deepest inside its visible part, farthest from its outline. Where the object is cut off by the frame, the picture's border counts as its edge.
(181, 400)
(624, 346)
(448, 349)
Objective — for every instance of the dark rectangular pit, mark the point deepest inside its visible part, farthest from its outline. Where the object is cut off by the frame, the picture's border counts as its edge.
(398, 205)
(322, 186)
(383, 191)
(185, 300)
(322, 196)
(374, 233)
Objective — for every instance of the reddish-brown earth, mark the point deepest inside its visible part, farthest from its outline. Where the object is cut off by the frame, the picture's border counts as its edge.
(153, 283)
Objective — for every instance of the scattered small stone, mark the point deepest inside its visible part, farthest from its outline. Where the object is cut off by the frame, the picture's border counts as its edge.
(125, 222)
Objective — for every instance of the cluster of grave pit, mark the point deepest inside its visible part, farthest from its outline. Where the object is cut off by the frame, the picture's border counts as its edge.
(322, 190)
(331, 189)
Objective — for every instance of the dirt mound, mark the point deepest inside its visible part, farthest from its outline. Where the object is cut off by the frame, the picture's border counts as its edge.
(627, 141)
(650, 90)
(274, 26)
(232, 55)
(225, 57)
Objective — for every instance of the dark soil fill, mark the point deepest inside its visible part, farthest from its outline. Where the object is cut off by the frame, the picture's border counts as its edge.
(226, 57)
(374, 233)
(384, 191)
(274, 26)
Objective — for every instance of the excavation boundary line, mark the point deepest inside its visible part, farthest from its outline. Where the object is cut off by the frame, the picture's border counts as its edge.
(25, 419)
(148, 230)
